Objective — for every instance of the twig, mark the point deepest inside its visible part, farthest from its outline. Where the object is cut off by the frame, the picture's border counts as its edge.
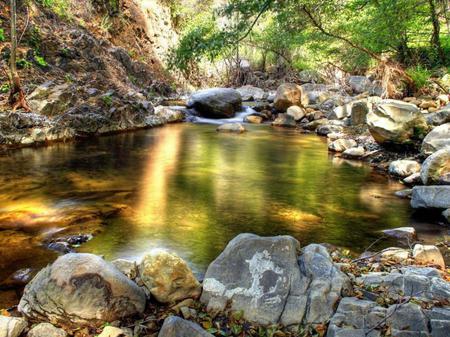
(26, 26)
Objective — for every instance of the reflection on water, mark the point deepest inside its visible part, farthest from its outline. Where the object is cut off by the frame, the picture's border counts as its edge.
(190, 189)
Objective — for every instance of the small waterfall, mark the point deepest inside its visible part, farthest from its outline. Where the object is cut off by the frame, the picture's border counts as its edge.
(238, 118)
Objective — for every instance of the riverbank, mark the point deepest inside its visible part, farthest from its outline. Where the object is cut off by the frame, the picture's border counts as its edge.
(272, 287)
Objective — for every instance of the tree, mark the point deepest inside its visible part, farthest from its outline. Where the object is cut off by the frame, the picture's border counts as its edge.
(16, 96)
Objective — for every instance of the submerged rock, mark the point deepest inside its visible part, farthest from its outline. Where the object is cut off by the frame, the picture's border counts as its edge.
(216, 102)
(253, 119)
(231, 127)
(81, 290)
(168, 277)
(394, 122)
(287, 95)
(177, 327)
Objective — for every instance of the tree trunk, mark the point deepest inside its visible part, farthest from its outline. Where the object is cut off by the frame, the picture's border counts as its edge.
(435, 41)
(16, 95)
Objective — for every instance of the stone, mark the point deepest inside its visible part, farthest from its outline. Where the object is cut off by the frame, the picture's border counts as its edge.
(359, 84)
(399, 255)
(231, 128)
(168, 277)
(259, 276)
(340, 112)
(309, 76)
(437, 139)
(128, 268)
(177, 327)
(402, 233)
(11, 326)
(251, 93)
(404, 194)
(421, 271)
(428, 254)
(111, 331)
(296, 112)
(359, 112)
(170, 115)
(431, 197)
(404, 168)
(288, 94)
(216, 102)
(46, 330)
(81, 290)
(413, 179)
(312, 94)
(342, 145)
(394, 122)
(439, 117)
(446, 215)
(326, 129)
(284, 120)
(436, 167)
(407, 317)
(354, 152)
(51, 100)
(252, 119)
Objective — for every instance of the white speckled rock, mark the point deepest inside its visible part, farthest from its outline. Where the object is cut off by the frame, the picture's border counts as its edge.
(12, 326)
(404, 168)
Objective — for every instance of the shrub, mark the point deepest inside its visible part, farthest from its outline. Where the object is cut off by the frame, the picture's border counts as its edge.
(2, 35)
(419, 75)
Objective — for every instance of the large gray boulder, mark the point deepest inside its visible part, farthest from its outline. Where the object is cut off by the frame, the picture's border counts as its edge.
(437, 139)
(436, 168)
(216, 102)
(431, 197)
(394, 122)
(81, 290)
(262, 277)
(258, 275)
(287, 95)
(177, 327)
(251, 93)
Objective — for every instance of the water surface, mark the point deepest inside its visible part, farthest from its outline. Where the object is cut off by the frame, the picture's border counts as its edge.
(188, 189)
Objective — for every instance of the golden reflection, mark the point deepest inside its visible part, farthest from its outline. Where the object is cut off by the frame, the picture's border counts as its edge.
(161, 164)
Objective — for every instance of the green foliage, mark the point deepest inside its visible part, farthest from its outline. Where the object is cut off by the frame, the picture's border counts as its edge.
(60, 7)
(23, 64)
(419, 75)
(4, 88)
(2, 35)
(107, 100)
(40, 61)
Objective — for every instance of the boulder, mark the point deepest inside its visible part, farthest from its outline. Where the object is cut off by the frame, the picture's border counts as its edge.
(309, 76)
(284, 120)
(231, 127)
(51, 100)
(439, 117)
(177, 327)
(359, 84)
(11, 326)
(398, 255)
(413, 179)
(312, 94)
(354, 152)
(296, 112)
(359, 112)
(342, 145)
(258, 276)
(252, 119)
(436, 167)
(404, 168)
(81, 290)
(168, 277)
(216, 102)
(170, 115)
(251, 93)
(402, 233)
(437, 139)
(46, 330)
(394, 122)
(428, 254)
(431, 197)
(287, 95)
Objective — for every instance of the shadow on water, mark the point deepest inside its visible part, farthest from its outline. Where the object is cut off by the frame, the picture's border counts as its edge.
(189, 189)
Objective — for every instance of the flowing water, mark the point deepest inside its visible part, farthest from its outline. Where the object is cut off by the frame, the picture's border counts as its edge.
(189, 189)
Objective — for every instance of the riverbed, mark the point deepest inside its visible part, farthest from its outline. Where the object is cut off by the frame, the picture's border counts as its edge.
(189, 189)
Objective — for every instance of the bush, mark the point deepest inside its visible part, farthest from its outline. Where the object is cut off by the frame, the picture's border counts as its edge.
(419, 75)
(2, 35)
(60, 7)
